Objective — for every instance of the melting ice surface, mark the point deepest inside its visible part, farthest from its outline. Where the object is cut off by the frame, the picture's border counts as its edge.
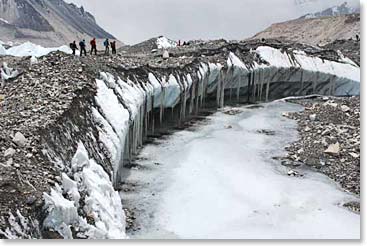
(220, 182)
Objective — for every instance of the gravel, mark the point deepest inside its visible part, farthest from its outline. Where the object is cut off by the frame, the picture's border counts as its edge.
(329, 142)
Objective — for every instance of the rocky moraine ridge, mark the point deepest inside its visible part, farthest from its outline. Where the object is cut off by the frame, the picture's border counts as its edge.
(68, 124)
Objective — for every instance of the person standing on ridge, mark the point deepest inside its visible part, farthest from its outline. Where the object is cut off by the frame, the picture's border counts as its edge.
(73, 47)
(107, 46)
(82, 46)
(93, 44)
(113, 47)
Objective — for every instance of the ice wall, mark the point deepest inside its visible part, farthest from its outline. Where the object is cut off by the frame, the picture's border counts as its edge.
(126, 110)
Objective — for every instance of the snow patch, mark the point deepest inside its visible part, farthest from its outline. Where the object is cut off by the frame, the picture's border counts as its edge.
(31, 49)
(165, 43)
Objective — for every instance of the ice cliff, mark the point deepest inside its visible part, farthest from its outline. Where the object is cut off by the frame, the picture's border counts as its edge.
(125, 101)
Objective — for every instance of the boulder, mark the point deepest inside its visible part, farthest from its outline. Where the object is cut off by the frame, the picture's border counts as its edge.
(345, 108)
(165, 54)
(313, 117)
(9, 152)
(333, 149)
(19, 139)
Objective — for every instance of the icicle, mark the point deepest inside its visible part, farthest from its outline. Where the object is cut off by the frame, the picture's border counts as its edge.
(222, 89)
(249, 77)
(219, 88)
(302, 84)
(192, 97)
(334, 85)
(202, 92)
(173, 113)
(267, 90)
(206, 82)
(254, 83)
(161, 112)
(261, 77)
(314, 84)
(239, 86)
(197, 98)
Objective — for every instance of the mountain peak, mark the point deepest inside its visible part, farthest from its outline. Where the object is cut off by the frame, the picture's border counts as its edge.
(338, 10)
(48, 23)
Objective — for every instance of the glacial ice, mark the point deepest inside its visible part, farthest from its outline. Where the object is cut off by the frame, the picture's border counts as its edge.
(122, 106)
(219, 182)
(101, 203)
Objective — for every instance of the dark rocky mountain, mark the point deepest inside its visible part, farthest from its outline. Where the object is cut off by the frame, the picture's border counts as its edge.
(46, 22)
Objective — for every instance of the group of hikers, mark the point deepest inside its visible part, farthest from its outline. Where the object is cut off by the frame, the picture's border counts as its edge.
(93, 43)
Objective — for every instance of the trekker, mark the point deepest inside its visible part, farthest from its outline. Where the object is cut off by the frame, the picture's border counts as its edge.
(107, 46)
(73, 47)
(113, 47)
(93, 44)
(82, 46)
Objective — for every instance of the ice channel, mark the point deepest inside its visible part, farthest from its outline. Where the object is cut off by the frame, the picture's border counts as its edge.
(218, 181)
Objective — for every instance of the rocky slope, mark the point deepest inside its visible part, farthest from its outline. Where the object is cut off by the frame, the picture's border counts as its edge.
(315, 31)
(70, 125)
(48, 23)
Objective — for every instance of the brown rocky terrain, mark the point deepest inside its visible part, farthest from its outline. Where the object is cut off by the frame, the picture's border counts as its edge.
(315, 31)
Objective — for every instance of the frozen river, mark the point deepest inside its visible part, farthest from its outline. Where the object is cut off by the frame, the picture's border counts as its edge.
(218, 180)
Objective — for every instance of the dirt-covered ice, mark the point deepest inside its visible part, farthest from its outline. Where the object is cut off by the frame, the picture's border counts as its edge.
(219, 181)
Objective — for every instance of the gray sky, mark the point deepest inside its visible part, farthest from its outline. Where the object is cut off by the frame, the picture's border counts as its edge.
(133, 21)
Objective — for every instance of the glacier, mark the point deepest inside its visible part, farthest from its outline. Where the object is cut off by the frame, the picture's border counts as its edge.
(126, 109)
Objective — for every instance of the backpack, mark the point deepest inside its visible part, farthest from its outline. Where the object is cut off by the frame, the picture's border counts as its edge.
(106, 43)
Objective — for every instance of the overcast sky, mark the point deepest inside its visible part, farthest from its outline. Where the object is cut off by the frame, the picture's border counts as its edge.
(133, 21)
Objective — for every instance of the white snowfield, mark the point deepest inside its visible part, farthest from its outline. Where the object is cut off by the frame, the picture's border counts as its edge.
(237, 195)
(31, 49)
